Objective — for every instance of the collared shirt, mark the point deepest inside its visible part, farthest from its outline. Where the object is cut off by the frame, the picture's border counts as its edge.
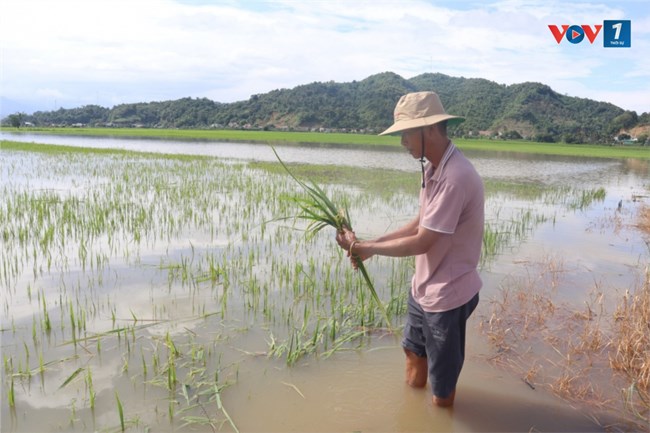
(452, 204)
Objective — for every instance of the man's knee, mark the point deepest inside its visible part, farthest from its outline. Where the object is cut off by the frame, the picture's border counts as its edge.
(416, 369)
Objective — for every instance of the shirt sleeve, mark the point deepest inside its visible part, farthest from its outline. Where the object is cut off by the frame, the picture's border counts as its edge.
(443, 206)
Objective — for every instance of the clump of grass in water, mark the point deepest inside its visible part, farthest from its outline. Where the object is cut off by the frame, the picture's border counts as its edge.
(319, 210)
(632, 343)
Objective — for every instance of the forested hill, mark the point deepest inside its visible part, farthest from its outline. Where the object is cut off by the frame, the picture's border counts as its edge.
(528, 110)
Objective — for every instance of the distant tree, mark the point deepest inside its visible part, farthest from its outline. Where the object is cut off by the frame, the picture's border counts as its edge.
(644, 119)
(511, 135)
(627, 120)
(16, 120)
(544, 138)
(572, 138)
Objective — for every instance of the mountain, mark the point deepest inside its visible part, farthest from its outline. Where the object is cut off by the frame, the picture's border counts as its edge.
(528, 110)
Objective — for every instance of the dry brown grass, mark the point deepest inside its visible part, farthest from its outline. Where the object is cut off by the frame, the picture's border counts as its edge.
(643, 222)
(586, 356)
(597, 356)
(576, 387)
(631, 354)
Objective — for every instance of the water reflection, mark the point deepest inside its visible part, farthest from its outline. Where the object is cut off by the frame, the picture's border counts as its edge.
(493, 165)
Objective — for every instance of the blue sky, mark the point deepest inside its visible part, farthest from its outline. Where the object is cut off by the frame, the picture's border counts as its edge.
(69, 53)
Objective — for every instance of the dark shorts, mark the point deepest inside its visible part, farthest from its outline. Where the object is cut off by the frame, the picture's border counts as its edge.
(440, 337)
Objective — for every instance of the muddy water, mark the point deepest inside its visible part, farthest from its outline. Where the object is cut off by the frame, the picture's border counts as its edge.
(365, 392)
(352, 390)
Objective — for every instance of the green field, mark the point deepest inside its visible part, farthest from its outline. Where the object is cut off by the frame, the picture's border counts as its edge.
(277, 137)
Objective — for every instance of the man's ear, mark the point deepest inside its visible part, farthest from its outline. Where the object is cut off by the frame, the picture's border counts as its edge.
(437, 130)
(429, 131)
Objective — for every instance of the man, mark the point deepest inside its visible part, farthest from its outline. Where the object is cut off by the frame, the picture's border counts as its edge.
(445, 238)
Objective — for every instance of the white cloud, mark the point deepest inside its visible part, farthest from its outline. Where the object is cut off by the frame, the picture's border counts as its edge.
(108, 52)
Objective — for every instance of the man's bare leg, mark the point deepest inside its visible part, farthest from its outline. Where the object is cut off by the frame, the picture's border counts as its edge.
(416, 370)
(444, 402)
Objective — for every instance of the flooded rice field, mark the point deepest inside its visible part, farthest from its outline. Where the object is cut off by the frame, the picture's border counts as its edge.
(167, 291)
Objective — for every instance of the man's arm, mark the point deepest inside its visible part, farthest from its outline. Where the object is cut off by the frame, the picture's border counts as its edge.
(409, 229)
(409, 240)
(346, 237)
(409, 245)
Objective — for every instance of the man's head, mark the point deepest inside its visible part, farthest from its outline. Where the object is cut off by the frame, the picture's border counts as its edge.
(418, 110)
(415, 139)
(422, 120)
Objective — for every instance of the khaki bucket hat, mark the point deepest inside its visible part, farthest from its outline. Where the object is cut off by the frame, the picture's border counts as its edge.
(419, 109)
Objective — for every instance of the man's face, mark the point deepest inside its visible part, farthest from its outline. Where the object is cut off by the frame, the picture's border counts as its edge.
(412, 141)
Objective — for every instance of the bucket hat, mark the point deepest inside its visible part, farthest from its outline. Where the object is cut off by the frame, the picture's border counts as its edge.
(419, 109)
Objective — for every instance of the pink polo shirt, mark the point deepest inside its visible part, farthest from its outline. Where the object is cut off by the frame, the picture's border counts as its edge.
(451, 203)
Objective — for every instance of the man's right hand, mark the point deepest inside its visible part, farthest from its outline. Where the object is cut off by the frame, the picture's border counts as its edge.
(345, 238)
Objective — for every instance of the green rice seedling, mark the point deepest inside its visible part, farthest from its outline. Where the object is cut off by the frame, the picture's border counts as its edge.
(41, 368)
(634, 398)
(125, 363)
(144, 365)
(71, 377)
(170, 408)
(12, 394)
(319, 210)
(8, 364)
(217, 396)
(171, 373)
(73, 412)
(26, 353)
(47, 324)
(581, 200)
(120, 410)
(91, 389)
(73, 324)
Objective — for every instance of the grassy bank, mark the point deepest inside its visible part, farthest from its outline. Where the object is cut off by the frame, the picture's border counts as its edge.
(62, 149)
(560, 149)
(220, 135)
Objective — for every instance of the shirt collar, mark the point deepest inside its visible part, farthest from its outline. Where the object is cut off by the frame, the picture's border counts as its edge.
(434, 174)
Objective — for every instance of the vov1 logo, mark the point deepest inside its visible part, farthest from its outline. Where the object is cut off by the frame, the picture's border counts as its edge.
(575, 34)
(615, 33)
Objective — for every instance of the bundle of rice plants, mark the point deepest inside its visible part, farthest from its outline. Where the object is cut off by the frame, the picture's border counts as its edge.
(320, 212)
